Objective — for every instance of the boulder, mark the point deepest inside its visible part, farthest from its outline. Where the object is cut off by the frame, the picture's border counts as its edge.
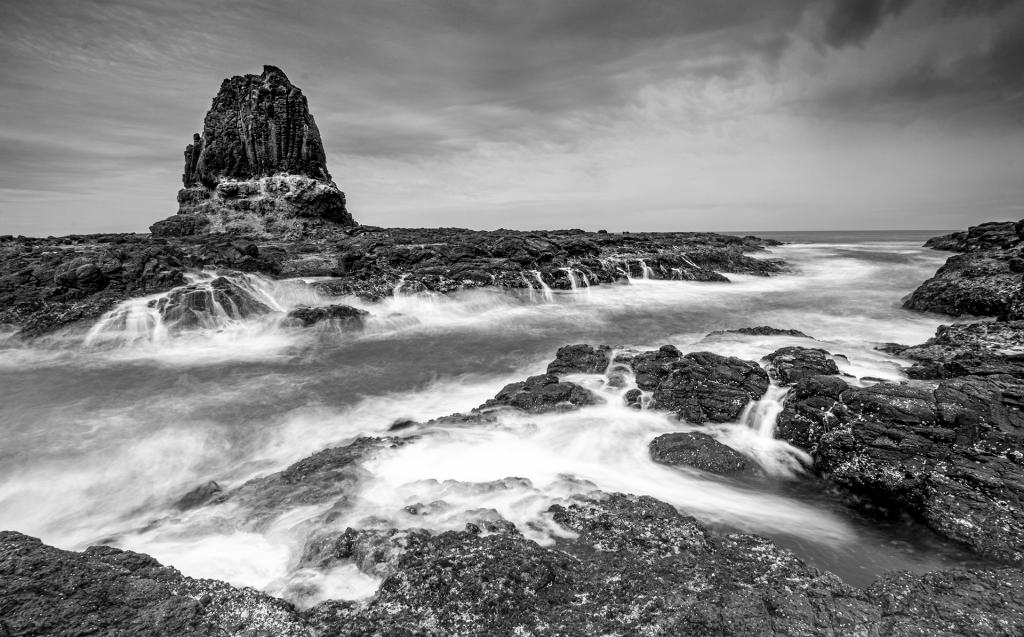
(789, 364)
(701, 386)
(343, 315)
(205, 303)
(700, 451)
(580, 359)
(541, 393)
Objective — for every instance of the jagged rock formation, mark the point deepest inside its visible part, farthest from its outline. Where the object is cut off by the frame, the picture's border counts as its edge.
(259, 165)
(984, 279)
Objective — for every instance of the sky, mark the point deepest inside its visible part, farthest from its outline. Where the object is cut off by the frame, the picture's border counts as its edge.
(531, 114)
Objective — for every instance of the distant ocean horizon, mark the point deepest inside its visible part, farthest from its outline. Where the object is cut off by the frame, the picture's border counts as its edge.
(843, 236)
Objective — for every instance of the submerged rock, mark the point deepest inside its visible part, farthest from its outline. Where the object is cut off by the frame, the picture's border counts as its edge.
(206, 303)
(700, 451)
(763, 330)
(199, 496)
(343, 315)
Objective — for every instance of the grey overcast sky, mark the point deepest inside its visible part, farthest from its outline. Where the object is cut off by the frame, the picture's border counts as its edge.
(626, 114)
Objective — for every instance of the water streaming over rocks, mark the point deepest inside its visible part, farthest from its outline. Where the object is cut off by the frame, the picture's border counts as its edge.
(402, 425)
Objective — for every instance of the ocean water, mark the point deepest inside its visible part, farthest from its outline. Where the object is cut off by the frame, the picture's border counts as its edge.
(103, 431)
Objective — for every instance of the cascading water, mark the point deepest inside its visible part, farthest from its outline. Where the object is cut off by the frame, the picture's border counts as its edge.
(207, 302)
(549, 296)
(397, 291)
(755, 435)
(571, 275)
(647, 271)
(101, 443)
(688, 262)
(761, 416)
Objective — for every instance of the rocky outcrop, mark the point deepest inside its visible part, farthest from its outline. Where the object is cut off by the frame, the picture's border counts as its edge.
(106, 591)
(625, 565)
(761, 330)
(790, 364)
(344, 316)
(49, 283)
(191, 305)
(580, 359)
(699, 387)
(259, 166)
(949, 454)
(700, 451)
(541, 393)
(979, 349)
(257, 126)
(985, 280)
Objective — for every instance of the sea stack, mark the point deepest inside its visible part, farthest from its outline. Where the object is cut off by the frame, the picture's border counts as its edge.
(259, 166)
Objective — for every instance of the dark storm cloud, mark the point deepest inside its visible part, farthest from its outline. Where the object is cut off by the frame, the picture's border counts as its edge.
(110, 91)
(853, 21)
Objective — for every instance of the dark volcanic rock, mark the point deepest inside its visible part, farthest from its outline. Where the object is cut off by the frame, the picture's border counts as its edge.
(701, 386)
(48, 283)
(958, 602)
(258, 126)
(344, 315)
(700, 451)
(985, 280)
(762, 330)
(979, 349)
(790, 364)
(580, 359)
(541, 393)
(976, 283)
(637, 567)
(984, 236)
(199, 496)
(194, 305)
(330, 476)
(106, 591)
(631, 566)
(259, 165)
(950, 454)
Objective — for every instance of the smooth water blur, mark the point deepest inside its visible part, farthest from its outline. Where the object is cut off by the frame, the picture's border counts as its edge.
(104, 431)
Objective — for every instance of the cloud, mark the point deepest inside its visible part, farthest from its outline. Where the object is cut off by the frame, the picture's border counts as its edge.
(482, 108)
(851, 22)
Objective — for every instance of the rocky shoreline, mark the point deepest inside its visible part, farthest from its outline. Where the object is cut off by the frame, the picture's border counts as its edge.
(942, 452)
(52, 283)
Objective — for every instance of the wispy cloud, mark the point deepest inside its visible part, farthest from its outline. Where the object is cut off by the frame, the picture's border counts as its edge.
(523, 113)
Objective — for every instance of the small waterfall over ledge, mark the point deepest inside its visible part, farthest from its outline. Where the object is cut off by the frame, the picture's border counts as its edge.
(761, 416)
(208, 301)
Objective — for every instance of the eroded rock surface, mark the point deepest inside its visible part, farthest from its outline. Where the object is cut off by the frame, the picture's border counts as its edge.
(106, 591)
(949, 453)
(259, 165)
(984, 280)
(700, 451)
(701, 386)
(342, 315)
(541, 393)
(789, 364)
